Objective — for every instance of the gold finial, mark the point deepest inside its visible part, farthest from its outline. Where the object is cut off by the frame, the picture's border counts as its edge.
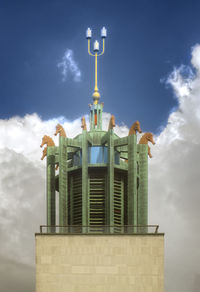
(96, 94)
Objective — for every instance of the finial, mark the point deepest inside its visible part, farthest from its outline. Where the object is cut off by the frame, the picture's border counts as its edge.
(96, 94)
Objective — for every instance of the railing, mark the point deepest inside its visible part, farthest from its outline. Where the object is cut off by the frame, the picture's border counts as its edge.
(100, 229)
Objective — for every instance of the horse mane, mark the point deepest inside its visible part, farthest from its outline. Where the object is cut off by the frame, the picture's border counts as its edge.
(83, 125)
(135, 128)
(111, 123)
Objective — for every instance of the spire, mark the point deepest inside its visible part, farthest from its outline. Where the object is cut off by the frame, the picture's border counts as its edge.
(96, 94)
(96, 109)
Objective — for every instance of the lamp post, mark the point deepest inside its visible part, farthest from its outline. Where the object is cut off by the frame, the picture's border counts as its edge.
(96, 94)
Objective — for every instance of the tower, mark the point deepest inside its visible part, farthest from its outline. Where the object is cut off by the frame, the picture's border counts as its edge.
(102, 183)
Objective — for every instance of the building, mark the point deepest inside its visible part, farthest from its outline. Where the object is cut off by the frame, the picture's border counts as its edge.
(103, 241)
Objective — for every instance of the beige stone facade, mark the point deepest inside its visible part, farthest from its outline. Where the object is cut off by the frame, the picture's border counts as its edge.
(99, 263)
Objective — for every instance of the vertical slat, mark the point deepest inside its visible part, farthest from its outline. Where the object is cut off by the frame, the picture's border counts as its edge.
(84, 178)
(71, 199)
(110, 196)
(143, 185)
(51, 193)
(63, 182)
(132, 181)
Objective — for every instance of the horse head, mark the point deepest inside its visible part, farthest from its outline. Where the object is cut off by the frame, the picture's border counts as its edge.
(149, 137)
(137, 127)
(47, 140)
(58, 129)
(44, 140)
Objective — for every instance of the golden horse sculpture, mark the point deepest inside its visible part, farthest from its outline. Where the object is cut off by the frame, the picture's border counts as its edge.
(147, 137)
(83, 124)
(135, 128)
(60, 130)
(48, 141)
(111, 123)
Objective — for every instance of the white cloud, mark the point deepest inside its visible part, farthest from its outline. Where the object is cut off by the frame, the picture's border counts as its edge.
(174, 184)
(69, 65)
(174, 181)
(181, 79)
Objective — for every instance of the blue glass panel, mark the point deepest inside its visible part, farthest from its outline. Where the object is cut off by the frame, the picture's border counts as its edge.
(97, 155)
(105, 149)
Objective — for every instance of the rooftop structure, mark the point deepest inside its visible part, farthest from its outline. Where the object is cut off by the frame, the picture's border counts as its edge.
(102, 241)
(102, 179)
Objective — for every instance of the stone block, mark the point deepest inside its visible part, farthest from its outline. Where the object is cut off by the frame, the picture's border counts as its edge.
(94, 263)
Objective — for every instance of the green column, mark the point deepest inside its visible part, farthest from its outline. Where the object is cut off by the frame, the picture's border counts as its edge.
(132, 181)
(143, 185)
(63, 183)
(51, 193)
(110, 182)
(71, 202)
(84, 180)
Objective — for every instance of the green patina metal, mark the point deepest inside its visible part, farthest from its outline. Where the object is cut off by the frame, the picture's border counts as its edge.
(63, 182)
(102, 179)
(132, 180)
(142, 193)
(111, 191)
(51, 192)
(110, 180)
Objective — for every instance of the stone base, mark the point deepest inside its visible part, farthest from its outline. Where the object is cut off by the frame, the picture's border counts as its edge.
(99, 263)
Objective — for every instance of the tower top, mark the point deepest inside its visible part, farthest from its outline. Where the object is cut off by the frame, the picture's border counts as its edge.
(96, 94)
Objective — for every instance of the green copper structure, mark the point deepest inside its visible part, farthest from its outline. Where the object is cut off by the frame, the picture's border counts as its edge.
(102, 179)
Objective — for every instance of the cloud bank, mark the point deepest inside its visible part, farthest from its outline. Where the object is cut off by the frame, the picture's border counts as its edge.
(174, 186)
(69, 65)
(174, 180)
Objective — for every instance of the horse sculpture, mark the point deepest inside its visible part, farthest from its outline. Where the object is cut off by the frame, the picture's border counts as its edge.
(48, 141)
(83, 124)
(135, 128)
(111, 123)
(147, 137)
(60, 130)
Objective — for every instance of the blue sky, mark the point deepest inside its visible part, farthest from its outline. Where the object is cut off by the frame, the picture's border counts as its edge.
(146, 39)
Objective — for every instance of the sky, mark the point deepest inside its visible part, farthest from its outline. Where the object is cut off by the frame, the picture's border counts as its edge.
(150, 72)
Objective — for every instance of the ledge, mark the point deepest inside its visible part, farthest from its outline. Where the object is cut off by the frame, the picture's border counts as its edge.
(101, 234)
